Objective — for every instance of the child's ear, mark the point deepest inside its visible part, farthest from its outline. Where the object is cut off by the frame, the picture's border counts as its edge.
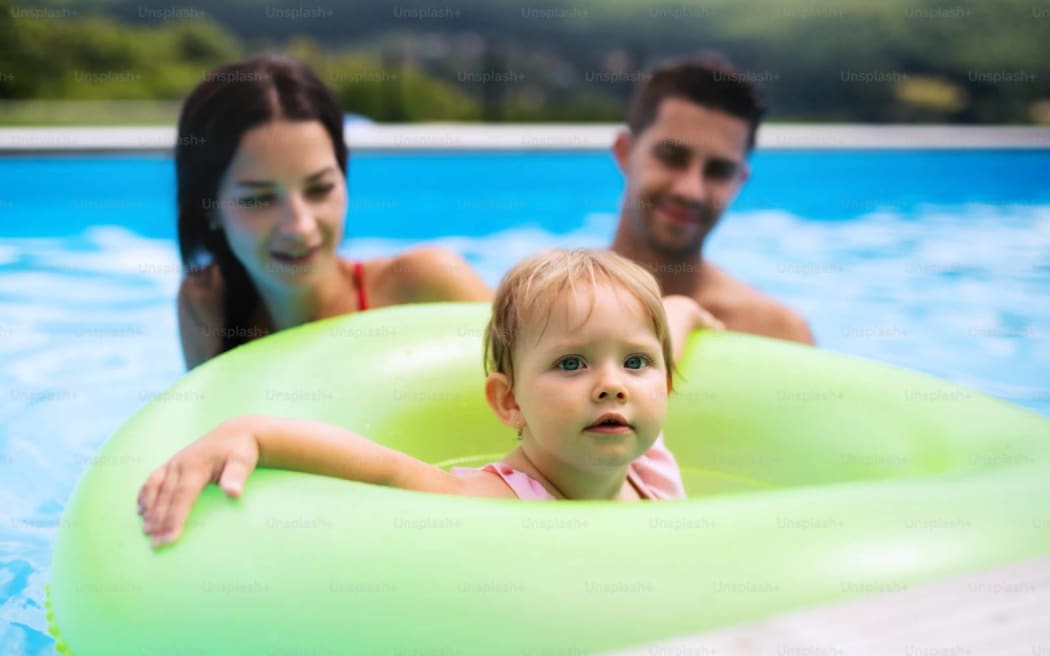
(501, 399)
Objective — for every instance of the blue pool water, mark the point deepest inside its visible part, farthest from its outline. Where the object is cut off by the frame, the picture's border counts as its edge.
(936, 261)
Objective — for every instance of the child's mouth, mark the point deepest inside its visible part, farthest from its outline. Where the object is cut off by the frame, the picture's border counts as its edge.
(609, 424)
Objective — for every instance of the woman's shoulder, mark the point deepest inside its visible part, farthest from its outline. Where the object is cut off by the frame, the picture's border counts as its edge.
(426, 273)
(200, 315)
(201, 297)
(200, 292)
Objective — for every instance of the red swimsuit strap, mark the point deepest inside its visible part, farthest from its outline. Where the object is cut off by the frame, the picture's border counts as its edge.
(359, 282)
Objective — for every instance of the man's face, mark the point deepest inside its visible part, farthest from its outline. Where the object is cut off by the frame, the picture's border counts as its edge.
(681, 172)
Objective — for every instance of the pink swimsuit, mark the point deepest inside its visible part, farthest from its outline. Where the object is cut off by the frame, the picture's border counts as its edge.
(655, 475)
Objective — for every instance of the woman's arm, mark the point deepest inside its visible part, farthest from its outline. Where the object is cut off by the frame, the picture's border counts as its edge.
(199, 321)
(228, 454)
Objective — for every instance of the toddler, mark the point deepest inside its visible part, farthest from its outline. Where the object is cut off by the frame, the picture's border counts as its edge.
(579, 356)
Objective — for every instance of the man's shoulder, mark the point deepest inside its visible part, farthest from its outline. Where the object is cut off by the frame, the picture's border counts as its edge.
(783, 322)
(746, 309)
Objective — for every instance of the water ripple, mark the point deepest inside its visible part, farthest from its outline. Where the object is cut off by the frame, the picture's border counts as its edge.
(89, 333)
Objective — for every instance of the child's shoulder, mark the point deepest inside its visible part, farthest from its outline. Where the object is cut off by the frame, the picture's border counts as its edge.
(481, 483)
(658, 473)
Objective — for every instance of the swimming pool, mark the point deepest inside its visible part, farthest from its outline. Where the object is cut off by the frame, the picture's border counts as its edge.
(933, 260)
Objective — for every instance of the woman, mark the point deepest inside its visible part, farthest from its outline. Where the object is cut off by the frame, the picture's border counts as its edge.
(260, 166)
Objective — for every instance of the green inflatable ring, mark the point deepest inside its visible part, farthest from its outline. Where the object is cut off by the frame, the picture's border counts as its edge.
(814, 477)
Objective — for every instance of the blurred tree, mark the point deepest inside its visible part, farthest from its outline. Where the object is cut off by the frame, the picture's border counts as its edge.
(840, 60)
(388, 89)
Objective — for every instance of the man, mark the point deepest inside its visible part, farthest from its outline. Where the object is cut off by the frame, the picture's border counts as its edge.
(691, 125)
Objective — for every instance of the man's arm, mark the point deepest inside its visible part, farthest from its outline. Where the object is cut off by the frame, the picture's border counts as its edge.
(684, 315)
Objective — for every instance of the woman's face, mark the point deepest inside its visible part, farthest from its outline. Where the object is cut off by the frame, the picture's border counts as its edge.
(282, 203)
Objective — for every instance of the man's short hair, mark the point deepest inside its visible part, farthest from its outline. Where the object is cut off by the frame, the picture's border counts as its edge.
(707, 79)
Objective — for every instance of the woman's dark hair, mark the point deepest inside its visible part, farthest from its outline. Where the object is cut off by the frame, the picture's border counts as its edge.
(230, 101)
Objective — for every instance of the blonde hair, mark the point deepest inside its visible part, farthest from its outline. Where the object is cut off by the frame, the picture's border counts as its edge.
(530, 289)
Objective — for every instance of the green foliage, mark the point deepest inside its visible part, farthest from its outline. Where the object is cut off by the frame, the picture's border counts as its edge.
(842, 60)
(388, 90)
(95, 58)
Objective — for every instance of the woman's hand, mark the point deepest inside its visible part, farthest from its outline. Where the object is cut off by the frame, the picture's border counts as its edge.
(226, 456)
(684, 315)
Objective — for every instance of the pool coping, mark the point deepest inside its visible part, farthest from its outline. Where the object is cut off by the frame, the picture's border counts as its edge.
(531, 137)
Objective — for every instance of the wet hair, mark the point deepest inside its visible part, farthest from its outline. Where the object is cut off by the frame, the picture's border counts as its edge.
(530, 289)
(708, 80)
(230, 101)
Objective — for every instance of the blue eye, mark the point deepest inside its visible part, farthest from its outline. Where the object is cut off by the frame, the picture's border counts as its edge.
(570, 363)
(636, 362)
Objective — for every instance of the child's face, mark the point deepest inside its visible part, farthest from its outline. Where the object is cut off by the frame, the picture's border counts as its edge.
(598, 356)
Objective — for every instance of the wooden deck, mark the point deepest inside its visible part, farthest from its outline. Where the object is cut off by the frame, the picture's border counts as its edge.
(999, 612)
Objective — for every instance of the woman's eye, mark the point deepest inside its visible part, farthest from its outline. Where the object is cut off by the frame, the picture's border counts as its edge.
(320, 191)
(255, 202)
(636, 362)
(570, 363)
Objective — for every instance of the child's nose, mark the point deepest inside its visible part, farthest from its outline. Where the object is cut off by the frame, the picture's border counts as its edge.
(610, 385)
(608, 394)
